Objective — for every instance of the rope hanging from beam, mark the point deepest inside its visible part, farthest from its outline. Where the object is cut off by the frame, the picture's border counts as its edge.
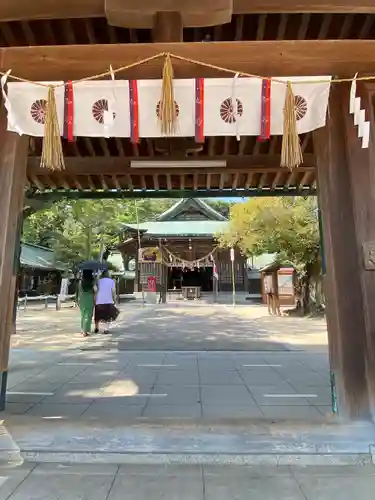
(52, 157)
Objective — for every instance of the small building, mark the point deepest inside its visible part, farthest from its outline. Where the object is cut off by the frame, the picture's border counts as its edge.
(39, 272)
(180, 249)
(279, 279)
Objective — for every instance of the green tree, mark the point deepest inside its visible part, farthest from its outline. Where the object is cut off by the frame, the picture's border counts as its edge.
(82, 229)
(285, 226)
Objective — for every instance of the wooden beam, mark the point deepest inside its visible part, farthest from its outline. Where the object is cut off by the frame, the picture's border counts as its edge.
(120, 165)
(18, 10)
(168, 27)
(269, 58)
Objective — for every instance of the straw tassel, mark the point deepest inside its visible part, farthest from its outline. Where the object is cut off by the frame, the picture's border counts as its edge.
(168, 112)
(52, 153)
(291, 154)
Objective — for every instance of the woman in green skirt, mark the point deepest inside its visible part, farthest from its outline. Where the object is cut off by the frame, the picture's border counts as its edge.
(86, 301)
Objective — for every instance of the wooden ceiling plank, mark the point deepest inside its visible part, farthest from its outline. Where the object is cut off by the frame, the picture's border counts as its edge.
(304, 180)
(261, 26)
(8, 34)
(303, 27)
(249, 180)
(129, 182)
(347, 25)
(156, 182)
(28, 32)
(90, 183)
(208, 181)
(104, 146)
(366, 28)
(305, 141)
(150, 147)
(35, 180)
(112, 34)
(195, 182)
(242, 145)
(49, 32)
(90, 31)
(116, 182)
(236, 177)
(239, 27)
(68, 31)
(282, 26)
(211, 146)
(227, 141)
(77, 183)
(103, 183)
(262, 180)
(276, 180)
(280, 57)
(290, 178)
(133, 34)
(120, 148)
(89, 146)
(325, 26)
(65, 184)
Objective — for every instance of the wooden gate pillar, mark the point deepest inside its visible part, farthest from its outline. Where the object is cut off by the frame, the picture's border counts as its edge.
(13, 162)
(346, 187)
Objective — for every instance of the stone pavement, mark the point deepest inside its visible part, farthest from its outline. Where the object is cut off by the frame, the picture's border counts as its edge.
(158, 363)
(188, 482)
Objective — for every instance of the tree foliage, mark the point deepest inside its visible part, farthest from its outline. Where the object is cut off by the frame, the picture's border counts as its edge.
(81, 229)
(287, 227)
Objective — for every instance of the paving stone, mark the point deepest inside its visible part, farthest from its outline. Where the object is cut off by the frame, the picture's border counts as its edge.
(179, 485)
(169, 395)
(172, 411)
(54, 484)
(58, 410)
(108, 411)
(231, 411)
(241, 485)
(226, 395)
(11, 476)
(344, 488)
(290, 413)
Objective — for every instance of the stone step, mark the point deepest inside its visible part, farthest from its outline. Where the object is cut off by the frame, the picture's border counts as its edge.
(282, 443)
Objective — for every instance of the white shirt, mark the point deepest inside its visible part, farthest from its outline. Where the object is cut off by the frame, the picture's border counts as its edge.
(104, 294)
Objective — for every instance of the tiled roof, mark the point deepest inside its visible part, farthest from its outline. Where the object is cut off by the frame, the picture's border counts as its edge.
(39, 258)
(182, 228)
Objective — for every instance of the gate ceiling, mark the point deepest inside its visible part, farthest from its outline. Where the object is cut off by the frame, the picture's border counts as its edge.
(99, 164)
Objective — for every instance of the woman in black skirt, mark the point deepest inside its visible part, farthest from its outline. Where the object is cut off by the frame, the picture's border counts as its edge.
(105, 309)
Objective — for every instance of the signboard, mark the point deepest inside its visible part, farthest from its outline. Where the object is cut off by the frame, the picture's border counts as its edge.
(232, 254)
(151, 254)
(151, 283)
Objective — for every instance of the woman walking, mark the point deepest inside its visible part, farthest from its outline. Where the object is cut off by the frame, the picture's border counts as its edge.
(86, 300)
(105, 309)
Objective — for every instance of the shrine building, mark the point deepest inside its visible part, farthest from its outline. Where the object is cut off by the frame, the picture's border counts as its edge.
(180, 248)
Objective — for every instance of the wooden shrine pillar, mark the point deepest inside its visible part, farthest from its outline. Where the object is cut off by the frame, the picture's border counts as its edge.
(346, 186)
(13, 162)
